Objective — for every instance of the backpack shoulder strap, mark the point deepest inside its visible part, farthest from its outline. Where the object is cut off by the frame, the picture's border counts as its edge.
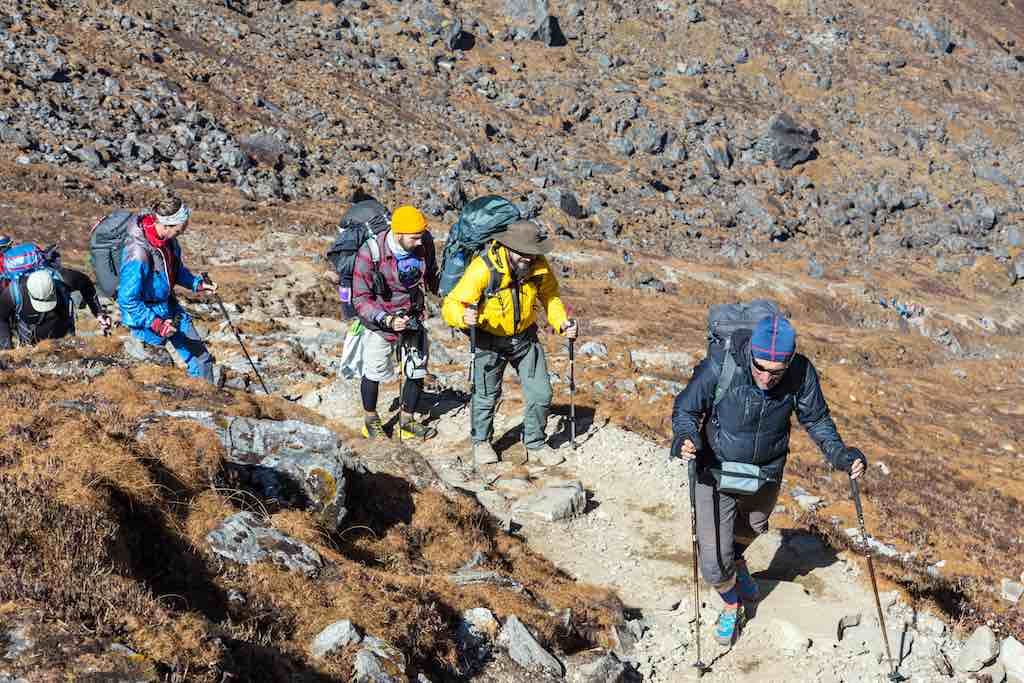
(725, 377)
(15, 288)
(374, 249)
(494, 284)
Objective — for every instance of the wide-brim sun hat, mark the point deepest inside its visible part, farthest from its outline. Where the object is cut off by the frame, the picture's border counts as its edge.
(525, 237)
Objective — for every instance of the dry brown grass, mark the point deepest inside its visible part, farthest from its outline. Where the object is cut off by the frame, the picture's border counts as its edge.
(108, 534)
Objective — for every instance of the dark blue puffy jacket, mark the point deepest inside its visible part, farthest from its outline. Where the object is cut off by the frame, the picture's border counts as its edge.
(751, 425)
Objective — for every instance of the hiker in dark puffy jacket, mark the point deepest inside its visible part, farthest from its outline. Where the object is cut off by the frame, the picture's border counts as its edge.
(389, 299)
(750, 424)
(151, 266)
(47, 307)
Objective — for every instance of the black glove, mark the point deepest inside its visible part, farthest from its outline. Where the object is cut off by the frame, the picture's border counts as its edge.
(849, 456)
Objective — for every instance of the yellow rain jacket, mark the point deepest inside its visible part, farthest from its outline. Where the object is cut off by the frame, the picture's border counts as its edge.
(498, 312)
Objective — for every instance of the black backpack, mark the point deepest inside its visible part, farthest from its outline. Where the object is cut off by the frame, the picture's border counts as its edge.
(357, 226)
(106, 242)
(723, 321)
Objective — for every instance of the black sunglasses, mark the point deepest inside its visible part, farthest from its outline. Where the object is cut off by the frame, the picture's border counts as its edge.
(773, 373)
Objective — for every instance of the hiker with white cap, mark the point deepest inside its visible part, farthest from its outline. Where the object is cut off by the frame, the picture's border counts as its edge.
(498, 295)
(733, 417)
(151, 266)
(40, 306)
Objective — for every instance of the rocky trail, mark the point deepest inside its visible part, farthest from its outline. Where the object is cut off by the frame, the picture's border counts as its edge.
(614, 512)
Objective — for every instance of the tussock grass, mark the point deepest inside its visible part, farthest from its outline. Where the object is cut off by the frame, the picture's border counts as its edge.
(105, 533)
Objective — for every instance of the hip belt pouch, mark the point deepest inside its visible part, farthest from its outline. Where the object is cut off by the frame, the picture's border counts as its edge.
(738, 478)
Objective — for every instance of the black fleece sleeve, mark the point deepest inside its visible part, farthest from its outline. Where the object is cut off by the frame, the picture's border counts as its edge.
(813, 413)
(78, 281)
(432, 277)
(6, 317)
(694, 402)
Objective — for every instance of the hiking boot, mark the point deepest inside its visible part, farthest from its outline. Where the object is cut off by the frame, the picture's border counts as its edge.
(545, 455)
(484, 454)
(412, 429)
(727, 628)
(373, 429)
(746, 586)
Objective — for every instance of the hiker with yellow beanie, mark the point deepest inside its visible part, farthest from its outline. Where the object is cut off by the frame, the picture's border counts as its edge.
(392, 273)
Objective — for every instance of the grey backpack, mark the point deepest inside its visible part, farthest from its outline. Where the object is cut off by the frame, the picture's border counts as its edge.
(723, 321)
(106, 242)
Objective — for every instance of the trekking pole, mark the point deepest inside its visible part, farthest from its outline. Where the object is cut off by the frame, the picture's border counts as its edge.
(220, 302)
(472, 376)
(401, 382)
(691, 475)
(572, 391)
(855, 490)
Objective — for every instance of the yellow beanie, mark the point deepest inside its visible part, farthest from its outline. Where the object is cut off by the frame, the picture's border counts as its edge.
(408, 220)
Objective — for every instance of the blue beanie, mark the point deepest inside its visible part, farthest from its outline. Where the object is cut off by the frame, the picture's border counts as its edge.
(774, 339)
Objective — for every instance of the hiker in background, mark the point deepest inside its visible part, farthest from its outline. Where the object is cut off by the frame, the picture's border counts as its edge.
(40, 306)
(151, 266)
(506, 320)
(734, 417)
(391, 274)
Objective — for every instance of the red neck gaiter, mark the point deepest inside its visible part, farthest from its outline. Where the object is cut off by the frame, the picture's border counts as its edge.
(164, 245)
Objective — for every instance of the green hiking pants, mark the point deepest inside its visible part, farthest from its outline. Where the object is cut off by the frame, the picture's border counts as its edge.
(526, 355)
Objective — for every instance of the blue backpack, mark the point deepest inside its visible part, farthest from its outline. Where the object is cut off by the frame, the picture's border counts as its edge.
(480, 220)
(21, 261)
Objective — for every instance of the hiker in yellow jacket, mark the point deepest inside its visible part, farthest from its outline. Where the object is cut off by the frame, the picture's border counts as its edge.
(497, 295)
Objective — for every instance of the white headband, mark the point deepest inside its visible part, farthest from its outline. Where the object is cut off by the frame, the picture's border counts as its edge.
(180, 217)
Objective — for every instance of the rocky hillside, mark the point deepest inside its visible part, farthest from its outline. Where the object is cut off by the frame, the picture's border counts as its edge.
(860, 162)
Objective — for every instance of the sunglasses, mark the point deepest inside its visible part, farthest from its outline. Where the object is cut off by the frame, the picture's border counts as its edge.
(774, 373)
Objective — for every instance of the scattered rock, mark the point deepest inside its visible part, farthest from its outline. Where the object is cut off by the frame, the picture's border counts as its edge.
(980, 650)
(334, 637)
(555, 502)
(246, 539)
(476, 629)
(524, 649)
(607, 669)
(1011, 656)
(667, 359)
(595, 349)
(789, 638)
(849, 621)
(378, 662)
(1012, 591)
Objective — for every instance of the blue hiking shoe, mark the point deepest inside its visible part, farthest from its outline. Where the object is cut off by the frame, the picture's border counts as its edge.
(745, 584)
(727, 628)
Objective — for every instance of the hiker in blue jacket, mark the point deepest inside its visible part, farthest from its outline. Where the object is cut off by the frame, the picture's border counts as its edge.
(151, 266)
(748, 424)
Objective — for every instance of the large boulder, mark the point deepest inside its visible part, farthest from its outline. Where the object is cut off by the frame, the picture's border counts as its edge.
(788, 143)
(292, 463)
(245, 538)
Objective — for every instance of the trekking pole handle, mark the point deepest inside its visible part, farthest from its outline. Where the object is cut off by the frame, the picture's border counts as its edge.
(855, 492)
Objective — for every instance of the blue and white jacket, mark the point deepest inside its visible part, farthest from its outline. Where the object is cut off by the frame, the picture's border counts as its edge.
(144, 291)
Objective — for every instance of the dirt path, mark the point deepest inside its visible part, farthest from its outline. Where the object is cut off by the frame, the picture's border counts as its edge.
(634, 536)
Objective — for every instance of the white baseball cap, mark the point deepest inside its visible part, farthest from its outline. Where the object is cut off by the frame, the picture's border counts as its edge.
(41, 291)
